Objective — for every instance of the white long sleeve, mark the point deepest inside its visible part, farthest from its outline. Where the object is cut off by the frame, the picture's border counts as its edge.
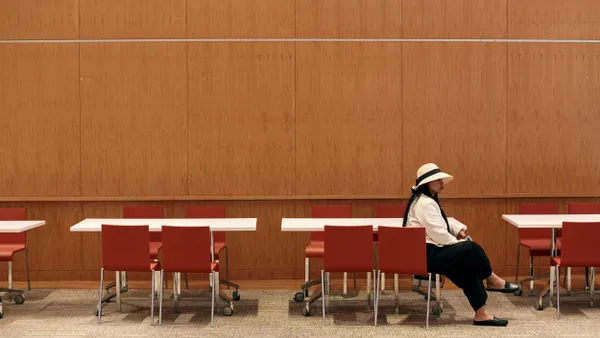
(426, 212)
(436, 229)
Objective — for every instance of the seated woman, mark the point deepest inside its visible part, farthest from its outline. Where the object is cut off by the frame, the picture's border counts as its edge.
(449, 251)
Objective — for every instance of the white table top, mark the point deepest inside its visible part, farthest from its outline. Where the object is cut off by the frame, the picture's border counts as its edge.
(155, 224)
(547, 221)
(318, 224)
(19, 226)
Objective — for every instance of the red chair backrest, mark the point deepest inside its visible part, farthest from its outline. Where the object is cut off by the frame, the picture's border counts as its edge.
(186, 249)
(208, 212)
(145, 211)
(584, 208)
(13, 214)
(580, 244)
(125, 247)
(390, 210)
(328, 211)
(348, 248)
(402, 250)
(537, 209)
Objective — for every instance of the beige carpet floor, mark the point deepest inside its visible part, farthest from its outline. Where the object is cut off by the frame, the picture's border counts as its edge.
(70, 313)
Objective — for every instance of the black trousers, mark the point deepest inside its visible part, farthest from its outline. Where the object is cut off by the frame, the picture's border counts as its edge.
(466, 265)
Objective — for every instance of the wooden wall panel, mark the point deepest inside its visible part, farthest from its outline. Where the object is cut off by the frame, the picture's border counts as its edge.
(454, 18)
(241, 119)
(105, 19)
(454, 114)
(134, 119)
(348, 120)
(349, 19)
(241, 19)
(554, 19)
(553, 118)
(39, 133)
(39, 19)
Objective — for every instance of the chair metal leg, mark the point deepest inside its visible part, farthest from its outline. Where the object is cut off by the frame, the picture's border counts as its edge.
(212, 306)
(531, 287)
(376, 277)
(323, 294)
(100, 298)
(382, 282)
(587, 279)
(118, 289)
(345, 291)
(518, 258)
(160, 298)
(428, 301)
(592, 282)
(375, 297)
(27, 268)
(557, 291)
(153, 290)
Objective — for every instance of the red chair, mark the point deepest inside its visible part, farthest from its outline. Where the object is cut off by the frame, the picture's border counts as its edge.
(579, 249)
(187, 249)
(316, 248)
(147, 211)
(536, 240)
(219, 237)
(126, 248)
(584, 208)
(347, 248)
(388, 211)
(402, 251)
(11, 243)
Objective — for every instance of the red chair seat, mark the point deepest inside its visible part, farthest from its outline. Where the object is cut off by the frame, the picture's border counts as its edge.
(315, 249)
(154, 248)
(8, 250)
(218, 247)
(539, 247)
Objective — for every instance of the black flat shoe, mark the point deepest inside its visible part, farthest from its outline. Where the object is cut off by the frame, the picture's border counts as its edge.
(508, 288)
(492, 322)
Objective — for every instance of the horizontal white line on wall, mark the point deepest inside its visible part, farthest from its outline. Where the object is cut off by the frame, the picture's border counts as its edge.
(300, 40)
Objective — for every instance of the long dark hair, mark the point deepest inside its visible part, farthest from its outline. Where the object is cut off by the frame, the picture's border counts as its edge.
(423, 190)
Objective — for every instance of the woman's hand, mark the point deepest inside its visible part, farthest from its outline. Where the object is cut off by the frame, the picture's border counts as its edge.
(462, 235)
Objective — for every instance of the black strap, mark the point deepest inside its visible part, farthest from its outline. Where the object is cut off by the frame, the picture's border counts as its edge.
(427, 174)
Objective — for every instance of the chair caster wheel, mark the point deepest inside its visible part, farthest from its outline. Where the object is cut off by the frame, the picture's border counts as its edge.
(1, 315)
(539, 306)
(236, 295)
(437, 310)
(299, 297)
(518, 293)
(227, 311)
(305, 312)
(19, 299)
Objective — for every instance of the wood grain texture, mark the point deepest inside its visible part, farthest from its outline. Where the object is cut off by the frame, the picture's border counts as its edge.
(348, 120)
(39, 19)
(105, 19)
(241, 19)
(349, 19)
(454, 18)
(554, 19)
(39, 133)
(241, 118)
(134, 119)
(553, 118)
(454, 114)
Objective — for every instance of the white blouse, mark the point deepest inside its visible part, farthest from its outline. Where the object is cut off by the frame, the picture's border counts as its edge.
(426, 212)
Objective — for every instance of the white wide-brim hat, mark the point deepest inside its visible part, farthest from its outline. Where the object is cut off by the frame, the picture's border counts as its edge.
(428, 173)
